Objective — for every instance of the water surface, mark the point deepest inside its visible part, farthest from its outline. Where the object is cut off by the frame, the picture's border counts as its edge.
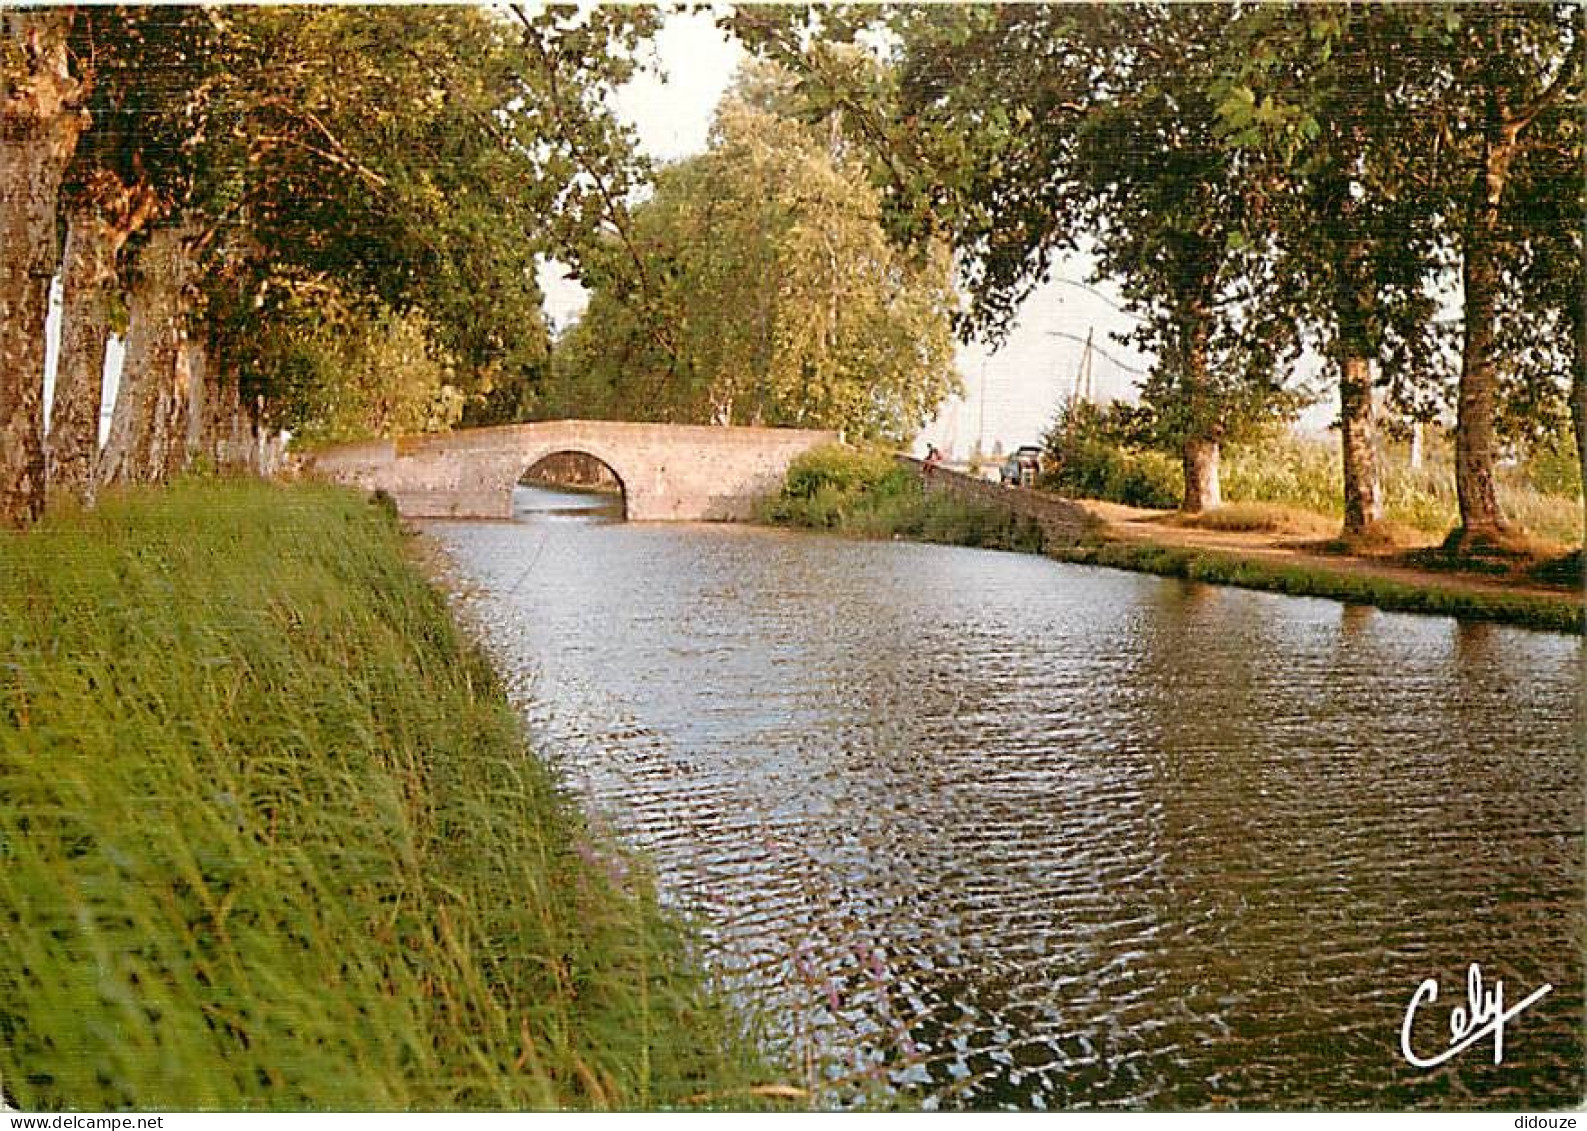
(995, 831)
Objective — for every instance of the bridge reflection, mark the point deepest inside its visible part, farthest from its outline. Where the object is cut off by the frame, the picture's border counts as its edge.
(535, 503)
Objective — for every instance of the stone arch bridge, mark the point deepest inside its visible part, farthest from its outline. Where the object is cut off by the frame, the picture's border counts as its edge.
(668, 472)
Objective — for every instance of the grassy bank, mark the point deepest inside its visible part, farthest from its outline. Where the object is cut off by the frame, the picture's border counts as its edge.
(1561, 615)
(1305, 474)
(871, 495)
(868, 494)
(270, 838)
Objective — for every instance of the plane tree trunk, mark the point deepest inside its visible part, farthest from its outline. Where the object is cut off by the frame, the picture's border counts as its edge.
(148, 428)
(100, 222)
(39, 125)
(1200, 449)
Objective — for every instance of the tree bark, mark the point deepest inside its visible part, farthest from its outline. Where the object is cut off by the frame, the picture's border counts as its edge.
(148, 430)
(39, 125)
(99, 224)
(1199, 452)
(1202, 490)
(1475, 454)
(1354, 299)
(1578, 399)
(1358, 432)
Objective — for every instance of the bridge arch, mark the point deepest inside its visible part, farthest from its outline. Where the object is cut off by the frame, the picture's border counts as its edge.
(574, 469)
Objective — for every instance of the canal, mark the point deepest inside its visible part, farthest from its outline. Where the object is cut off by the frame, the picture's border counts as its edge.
(992, 831)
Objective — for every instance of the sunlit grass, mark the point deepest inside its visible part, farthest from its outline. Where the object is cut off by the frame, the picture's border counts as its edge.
(1264, 518)
(270, 838)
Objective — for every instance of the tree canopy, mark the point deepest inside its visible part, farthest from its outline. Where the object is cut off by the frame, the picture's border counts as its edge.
(775, 296)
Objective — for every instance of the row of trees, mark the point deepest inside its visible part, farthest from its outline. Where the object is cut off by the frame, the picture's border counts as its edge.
(1254, 177)
(324, 219)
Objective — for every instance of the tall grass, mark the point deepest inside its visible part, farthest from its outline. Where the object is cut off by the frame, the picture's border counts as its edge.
(1542, 494)
(270, 838)
(868, 494)
(1308, 474)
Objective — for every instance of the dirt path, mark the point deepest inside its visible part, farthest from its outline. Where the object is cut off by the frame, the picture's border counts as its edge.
(1133, 524)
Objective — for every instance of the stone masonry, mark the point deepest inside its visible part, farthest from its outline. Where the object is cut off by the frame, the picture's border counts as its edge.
(668, 472)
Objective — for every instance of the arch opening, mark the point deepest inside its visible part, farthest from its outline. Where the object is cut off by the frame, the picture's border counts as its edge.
(570, 485)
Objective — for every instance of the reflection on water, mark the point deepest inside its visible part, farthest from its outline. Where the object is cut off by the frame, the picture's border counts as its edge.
(1000, 832)
(548, 504)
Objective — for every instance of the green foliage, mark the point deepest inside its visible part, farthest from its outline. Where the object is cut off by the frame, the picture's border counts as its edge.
(757, 287)
(270, 838)
(1100, 453)
(870, 494)
(354, 372)
(1552, 467)
(841, 469)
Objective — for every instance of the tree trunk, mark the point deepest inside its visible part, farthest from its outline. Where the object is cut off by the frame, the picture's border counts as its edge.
(1199, 451)
(1354, 298)
(148, 430)
(39, 124)
(72, 447)
(1578, 390)
(1359, 439)
(230, 439)
(100, 223)
(1202, 490)
(1475, 447)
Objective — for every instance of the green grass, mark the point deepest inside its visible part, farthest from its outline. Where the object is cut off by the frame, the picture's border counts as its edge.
(1564, 614)
(270, 838)
(1307, 474)
(1542, 495)
(865, 494)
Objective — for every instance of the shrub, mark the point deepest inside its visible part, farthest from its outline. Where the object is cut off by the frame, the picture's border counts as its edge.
(840, 469)
(1137, 477)
(869, 494)
(1101, 453)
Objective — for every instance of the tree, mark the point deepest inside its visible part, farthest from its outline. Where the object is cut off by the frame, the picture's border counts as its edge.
(40, 119)
(1506, 67)
(783, 302)
(1025, 131)
(1316, 95)
(409, 161)
(1543, 314)
(145, 64)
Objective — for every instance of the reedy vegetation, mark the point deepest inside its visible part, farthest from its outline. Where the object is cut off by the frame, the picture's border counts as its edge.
(1100, 453)
(270, 838)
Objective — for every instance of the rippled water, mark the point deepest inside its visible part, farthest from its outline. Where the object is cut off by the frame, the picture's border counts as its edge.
(1000, 832)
